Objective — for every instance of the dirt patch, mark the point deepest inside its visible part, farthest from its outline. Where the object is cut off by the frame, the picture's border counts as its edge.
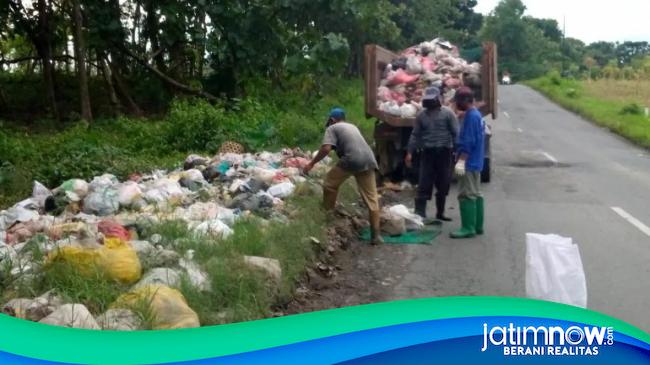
(349, 272)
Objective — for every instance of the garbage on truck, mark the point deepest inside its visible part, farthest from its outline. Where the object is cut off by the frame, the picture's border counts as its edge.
(429, 64)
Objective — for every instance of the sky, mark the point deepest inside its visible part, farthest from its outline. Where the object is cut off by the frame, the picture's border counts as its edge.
(591, 20)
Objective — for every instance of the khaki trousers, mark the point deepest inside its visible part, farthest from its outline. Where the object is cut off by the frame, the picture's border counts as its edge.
(367, 188)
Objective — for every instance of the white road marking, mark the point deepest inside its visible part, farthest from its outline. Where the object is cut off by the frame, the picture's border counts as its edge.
(550, 158)
(506, 114)
(633, 221)
(520, 130)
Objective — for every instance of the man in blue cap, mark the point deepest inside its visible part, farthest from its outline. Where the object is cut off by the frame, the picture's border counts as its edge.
(355, 159)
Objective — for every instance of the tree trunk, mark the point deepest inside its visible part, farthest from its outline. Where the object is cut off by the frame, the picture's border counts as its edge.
(123, 90)
(115, 14)
(201, 44)
(168, 80)
(80, 56)
(112, 94)
(136, 25)
(152, 26)
(44, 48)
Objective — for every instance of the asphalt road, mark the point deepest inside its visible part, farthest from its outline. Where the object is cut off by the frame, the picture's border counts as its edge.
(553, 173)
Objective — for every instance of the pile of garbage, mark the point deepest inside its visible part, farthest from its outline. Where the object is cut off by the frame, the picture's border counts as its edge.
(429, 64)
(97, 224)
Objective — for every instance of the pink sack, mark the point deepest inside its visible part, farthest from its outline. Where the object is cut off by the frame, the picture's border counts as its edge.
(401, 77)
(453, 83)
(428, 64)
(112, 229)
(398, 97)
(383, 93)
(297, 162)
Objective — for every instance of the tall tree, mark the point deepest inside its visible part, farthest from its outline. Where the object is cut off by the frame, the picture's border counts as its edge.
(80, 58)
(524, 50)
(39, 30)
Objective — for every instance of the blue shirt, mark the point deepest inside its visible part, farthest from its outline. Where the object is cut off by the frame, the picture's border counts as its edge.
(471, 140)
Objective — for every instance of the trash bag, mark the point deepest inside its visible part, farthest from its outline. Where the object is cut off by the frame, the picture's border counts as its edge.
(168, 306)
(428, 65)
(112, 229)
(384, 94)
(264, 175)
(102, 182)
(163, 190)
(202, 211)
(390, 107)
(192, 179)
(408, 110)
(193, 161)
(72, 315)
(128, 193)
(392, 224)
(77, 187)
(17, 214)
(101, 202)
(40, 193)
(413, 65)
(215, 228)
(412, 221)
(116, 258)
(160, 276)
(402, 77)
(554, 270)
(281, 190)
(297, 162)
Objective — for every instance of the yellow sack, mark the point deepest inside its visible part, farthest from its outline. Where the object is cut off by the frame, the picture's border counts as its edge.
(116, 258)
(168, 306)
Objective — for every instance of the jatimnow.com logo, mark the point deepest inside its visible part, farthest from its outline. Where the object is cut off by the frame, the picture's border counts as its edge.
(547, 340)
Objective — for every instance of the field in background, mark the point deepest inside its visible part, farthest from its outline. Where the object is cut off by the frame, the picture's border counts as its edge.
(618, 105)
(623, 91)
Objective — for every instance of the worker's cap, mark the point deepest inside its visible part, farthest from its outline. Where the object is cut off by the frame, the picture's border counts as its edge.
(337, 113)
(464, 95)
(431, 93)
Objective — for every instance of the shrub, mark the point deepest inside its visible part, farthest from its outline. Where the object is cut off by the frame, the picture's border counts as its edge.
(572, 93)
(632, 109)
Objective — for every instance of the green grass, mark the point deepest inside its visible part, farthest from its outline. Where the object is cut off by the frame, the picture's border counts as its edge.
(239, 292)
(268, 119)
(584, 99)
(122, 146)
(96, 291)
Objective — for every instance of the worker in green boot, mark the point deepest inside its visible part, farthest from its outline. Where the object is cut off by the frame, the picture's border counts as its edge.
(470, 152)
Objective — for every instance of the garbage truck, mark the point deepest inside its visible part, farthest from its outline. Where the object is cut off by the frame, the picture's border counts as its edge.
(391, 133)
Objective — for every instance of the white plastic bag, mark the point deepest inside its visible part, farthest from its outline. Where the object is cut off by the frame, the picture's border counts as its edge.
(390, 107)
(554, 270)
(408, 110)
(127, 193)
(102, 182)
(101, 202)
(214, 228)
(412, 221)
(413, 65)
(193, 175)
(281, 190)
(40, 193)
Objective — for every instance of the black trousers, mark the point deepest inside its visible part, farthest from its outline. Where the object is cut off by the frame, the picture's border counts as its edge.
(435, 169)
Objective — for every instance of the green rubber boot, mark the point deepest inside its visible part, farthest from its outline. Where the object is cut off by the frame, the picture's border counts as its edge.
(468, 219)
(480, 214)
